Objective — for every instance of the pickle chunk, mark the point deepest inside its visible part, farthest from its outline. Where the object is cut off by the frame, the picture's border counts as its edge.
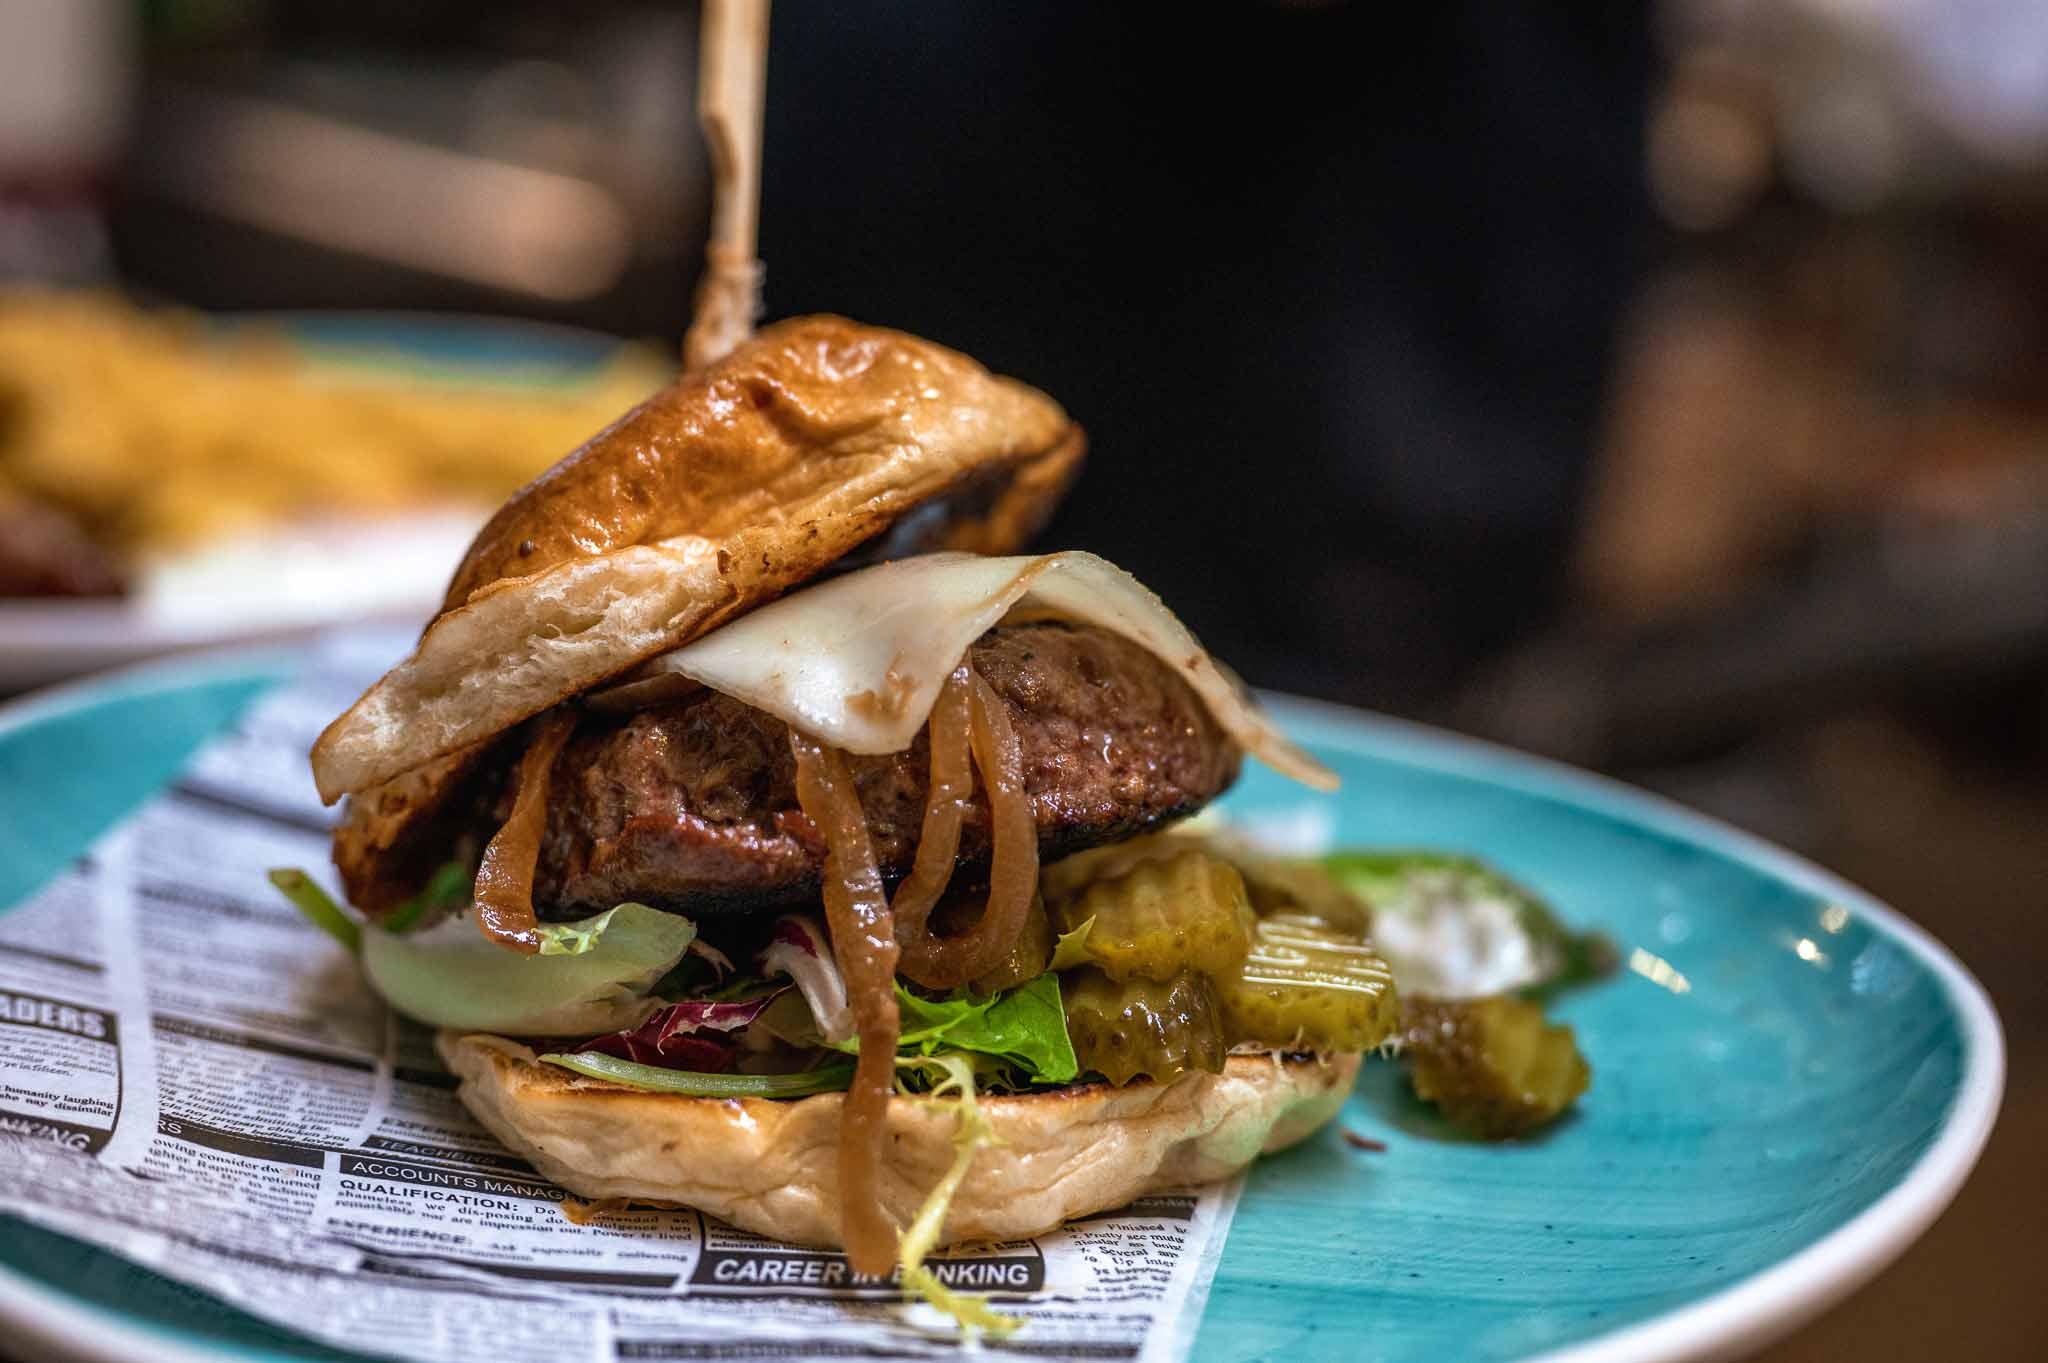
(1067, 877)
(1280, 885)
(1493, 1066)
(1122, 1029)
(1307, 985)
(1158, 918)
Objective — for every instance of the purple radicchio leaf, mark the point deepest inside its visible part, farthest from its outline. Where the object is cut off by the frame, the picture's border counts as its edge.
(696, 1035)
(798, 948)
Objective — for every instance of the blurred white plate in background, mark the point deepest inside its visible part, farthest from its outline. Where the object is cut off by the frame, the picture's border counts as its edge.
(274, 584)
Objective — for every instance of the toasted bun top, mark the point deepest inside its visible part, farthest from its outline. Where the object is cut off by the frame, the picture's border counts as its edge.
(811, 417)
(723, 490)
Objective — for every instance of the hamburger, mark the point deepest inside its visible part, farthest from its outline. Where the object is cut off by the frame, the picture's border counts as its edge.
(763, 834)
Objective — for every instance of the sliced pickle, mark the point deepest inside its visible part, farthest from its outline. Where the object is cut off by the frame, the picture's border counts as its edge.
(1124, 1029)
(1308, 985)
(1028, 956)
(1159, 918)
(1493, 1066)
(1069, 876)
(1279, 885)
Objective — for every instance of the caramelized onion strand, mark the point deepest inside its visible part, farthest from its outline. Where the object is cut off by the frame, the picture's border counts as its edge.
(949, 962)
(864, 942)
(504, 880)
(951, 786)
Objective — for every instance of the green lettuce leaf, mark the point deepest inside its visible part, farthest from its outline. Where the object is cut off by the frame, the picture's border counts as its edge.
(448, 888)
(1025, 1027)
(596, 975)
(1017, 1036)
(951, 1084)
(656, 1079)
(1071, 949)
(322, 912)
(574, 939)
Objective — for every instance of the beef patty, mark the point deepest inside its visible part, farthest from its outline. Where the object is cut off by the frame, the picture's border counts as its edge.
(692, 805)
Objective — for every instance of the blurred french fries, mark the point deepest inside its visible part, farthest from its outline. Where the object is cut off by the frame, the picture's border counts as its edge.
(156, 431)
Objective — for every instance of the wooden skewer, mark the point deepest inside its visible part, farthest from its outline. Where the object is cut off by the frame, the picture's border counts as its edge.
(732, 76)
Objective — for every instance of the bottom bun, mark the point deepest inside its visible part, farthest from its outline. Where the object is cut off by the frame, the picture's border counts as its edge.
(772, 1166)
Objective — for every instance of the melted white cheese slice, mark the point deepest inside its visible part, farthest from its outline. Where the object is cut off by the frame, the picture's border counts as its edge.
(857, 661)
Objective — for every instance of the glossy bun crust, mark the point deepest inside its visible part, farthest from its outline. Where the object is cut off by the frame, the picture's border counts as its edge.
(772, 1166)
(720, 492)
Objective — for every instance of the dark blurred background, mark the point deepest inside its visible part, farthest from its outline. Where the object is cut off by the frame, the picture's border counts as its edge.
(1663, 388)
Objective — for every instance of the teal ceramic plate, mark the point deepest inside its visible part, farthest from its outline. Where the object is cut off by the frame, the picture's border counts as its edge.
(1791, 1080)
